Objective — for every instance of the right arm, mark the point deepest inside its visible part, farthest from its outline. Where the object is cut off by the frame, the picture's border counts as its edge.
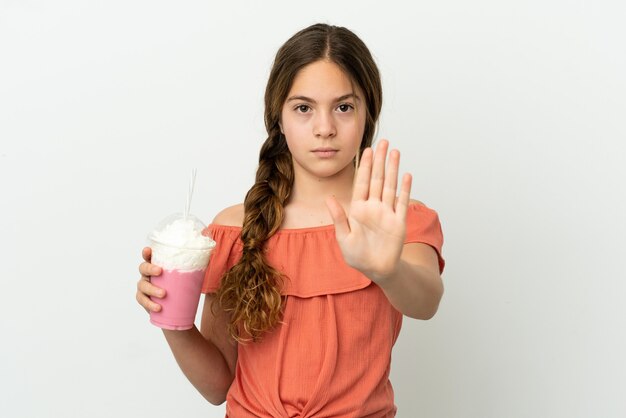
(207, 356)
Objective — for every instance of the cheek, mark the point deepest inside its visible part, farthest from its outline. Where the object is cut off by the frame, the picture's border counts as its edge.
(293, 136)
(361, 127)
(286, 122)
(357, 128)
(295, 131)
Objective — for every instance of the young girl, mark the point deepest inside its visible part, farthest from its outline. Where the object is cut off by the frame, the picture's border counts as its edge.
(306, 289)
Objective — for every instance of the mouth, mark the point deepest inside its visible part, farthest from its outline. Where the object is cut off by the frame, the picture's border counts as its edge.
(325, 152)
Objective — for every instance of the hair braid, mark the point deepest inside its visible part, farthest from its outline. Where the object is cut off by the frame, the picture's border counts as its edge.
(250, 290)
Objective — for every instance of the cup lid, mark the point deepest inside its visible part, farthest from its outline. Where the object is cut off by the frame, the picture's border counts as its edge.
(180, 231)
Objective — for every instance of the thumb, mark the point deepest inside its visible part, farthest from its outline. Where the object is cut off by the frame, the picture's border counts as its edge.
(342, 227)
(146, 253)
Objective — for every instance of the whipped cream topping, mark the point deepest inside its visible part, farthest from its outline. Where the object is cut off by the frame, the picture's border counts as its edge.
(181, 246)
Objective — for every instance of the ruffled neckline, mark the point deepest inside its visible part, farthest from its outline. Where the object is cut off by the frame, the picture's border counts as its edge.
(330, 227)
(310, 257)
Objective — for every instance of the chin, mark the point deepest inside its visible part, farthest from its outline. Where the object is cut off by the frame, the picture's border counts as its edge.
(328, 172)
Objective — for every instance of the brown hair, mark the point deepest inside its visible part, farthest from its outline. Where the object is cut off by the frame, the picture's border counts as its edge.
(251, 290)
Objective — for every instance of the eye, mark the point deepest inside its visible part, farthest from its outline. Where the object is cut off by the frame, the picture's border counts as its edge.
(302, 108)
(345, 107)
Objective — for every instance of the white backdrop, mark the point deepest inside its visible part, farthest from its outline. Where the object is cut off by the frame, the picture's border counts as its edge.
(510, 115)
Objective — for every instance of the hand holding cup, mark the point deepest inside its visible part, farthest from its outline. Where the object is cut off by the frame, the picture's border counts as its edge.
(181, 250)
(145, 289)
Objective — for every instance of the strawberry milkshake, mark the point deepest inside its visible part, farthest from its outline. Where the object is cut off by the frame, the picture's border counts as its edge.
(182, 251)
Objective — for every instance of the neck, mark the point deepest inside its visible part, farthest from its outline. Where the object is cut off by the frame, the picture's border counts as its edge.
(312, 191)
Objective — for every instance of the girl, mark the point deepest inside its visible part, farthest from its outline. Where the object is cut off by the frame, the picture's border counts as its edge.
(306, 289)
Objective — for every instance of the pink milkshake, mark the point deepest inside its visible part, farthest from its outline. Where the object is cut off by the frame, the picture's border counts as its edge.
(180, 249)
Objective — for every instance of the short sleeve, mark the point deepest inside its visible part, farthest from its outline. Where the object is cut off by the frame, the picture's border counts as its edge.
(227, 252)
(422, 225)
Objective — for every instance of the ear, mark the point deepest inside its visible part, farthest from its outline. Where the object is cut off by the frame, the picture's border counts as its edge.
(281, 128)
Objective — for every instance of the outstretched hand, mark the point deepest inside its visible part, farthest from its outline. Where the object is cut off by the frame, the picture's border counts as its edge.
(372, 234)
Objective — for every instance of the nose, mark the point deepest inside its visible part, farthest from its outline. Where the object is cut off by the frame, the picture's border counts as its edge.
(324, 125)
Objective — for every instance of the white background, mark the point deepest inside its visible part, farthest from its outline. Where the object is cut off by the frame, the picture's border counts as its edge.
(509, 115)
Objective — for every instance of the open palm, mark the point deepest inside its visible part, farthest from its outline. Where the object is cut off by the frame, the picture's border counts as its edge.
(372, 234)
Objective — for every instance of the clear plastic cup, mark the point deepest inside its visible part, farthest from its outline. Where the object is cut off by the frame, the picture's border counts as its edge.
(182, 252)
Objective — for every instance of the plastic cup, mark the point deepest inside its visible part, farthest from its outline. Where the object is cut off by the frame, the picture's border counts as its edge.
(182, 252)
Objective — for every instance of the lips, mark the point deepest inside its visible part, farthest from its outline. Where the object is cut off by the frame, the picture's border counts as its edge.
(325, 152)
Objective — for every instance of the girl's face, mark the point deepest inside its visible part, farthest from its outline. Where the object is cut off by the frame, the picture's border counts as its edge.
(323, 120)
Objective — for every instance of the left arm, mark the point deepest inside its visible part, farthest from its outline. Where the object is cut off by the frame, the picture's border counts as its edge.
(371, 237)
(415, 287)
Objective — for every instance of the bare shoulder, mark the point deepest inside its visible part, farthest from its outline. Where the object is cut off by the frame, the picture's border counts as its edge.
(231, 216)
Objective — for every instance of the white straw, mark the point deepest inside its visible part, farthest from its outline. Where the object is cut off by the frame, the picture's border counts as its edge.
(192, 182)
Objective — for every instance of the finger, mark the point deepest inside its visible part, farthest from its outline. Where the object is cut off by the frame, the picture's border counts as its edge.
(149, 289)
(147, 269)
(342, 227)
(391, 179)
(147, 254)
(147, 293)
(405, 196)
(147, 303)
(362, 181)
(378, 170)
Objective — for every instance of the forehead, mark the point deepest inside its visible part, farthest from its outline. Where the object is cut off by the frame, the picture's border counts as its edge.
(321, 80)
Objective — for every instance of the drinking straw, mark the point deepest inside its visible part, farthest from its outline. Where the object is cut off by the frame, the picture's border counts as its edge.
(192, 182)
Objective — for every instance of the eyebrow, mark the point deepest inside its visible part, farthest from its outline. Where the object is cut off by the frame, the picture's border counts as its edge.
(338, 99)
